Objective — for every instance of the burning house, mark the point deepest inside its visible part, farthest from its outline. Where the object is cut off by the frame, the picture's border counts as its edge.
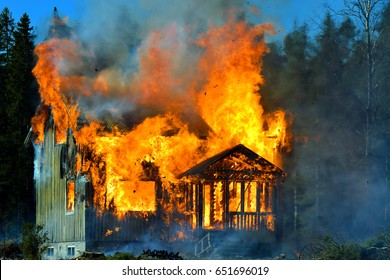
(164, 157)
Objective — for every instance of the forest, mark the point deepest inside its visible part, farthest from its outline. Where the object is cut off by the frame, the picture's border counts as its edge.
(332, 80)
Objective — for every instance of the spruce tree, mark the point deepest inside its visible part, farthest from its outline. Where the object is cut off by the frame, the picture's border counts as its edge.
(20, 91)
(7, 26)
(23, 92)
(6, 168)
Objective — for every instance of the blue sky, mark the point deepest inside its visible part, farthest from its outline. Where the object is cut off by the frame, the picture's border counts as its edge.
(281, 13)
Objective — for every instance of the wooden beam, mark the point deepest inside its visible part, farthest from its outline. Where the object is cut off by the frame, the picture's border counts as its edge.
(226, 210)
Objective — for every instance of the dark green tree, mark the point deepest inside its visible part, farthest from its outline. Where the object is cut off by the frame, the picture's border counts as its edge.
(34, 241)
(294, 86)
(6, 42)
(6, 168)
(337, 117)
(288, 75)
(273, 64)
(7, 26)
(23, 99)
(21, 86)
(19, 92)
(335, 87)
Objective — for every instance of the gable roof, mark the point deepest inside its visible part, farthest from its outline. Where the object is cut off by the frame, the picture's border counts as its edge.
(239, 163)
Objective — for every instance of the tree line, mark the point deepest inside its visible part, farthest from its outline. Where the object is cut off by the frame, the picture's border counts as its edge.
(335, 86)
(19, 98)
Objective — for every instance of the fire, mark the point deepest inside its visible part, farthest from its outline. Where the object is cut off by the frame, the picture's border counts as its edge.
(126, 159)
(70, 196)
(38, 123)
(110, 231)
(125, 154)
(230, 103)
(51, 84)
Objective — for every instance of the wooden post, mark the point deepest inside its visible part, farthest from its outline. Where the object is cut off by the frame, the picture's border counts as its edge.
(226, 212)
(200, 205)
(242, 220)
(258, 192)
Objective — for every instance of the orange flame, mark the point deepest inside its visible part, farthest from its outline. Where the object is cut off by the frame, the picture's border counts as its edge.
(70, 196)
(125, 161)
(51, 83)
(231, 102)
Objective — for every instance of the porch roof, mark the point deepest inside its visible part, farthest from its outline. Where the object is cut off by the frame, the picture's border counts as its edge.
(237, 163)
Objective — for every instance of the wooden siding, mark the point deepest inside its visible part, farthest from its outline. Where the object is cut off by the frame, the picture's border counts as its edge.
(51, 194)
(134, 226)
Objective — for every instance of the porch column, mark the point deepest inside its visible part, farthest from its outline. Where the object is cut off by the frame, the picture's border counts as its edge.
(226, 210)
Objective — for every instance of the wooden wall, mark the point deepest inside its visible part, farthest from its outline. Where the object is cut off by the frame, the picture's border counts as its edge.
(51, 194)
(102, 227)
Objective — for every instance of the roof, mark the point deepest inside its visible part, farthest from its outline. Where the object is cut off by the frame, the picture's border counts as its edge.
(238, 163)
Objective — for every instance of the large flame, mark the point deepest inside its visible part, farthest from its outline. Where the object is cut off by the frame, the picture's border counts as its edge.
(126, 159)
(52, 84)
(231, 103)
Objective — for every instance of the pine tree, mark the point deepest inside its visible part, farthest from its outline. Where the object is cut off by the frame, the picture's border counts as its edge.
(6, 42)
(294, 80)
(7, 26)
(20, 92)
(20, 78)
(337, 114)
(6, 168)
(24, 97)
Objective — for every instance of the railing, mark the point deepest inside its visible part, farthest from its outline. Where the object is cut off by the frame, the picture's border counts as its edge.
(250, 221)
(203, 245)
